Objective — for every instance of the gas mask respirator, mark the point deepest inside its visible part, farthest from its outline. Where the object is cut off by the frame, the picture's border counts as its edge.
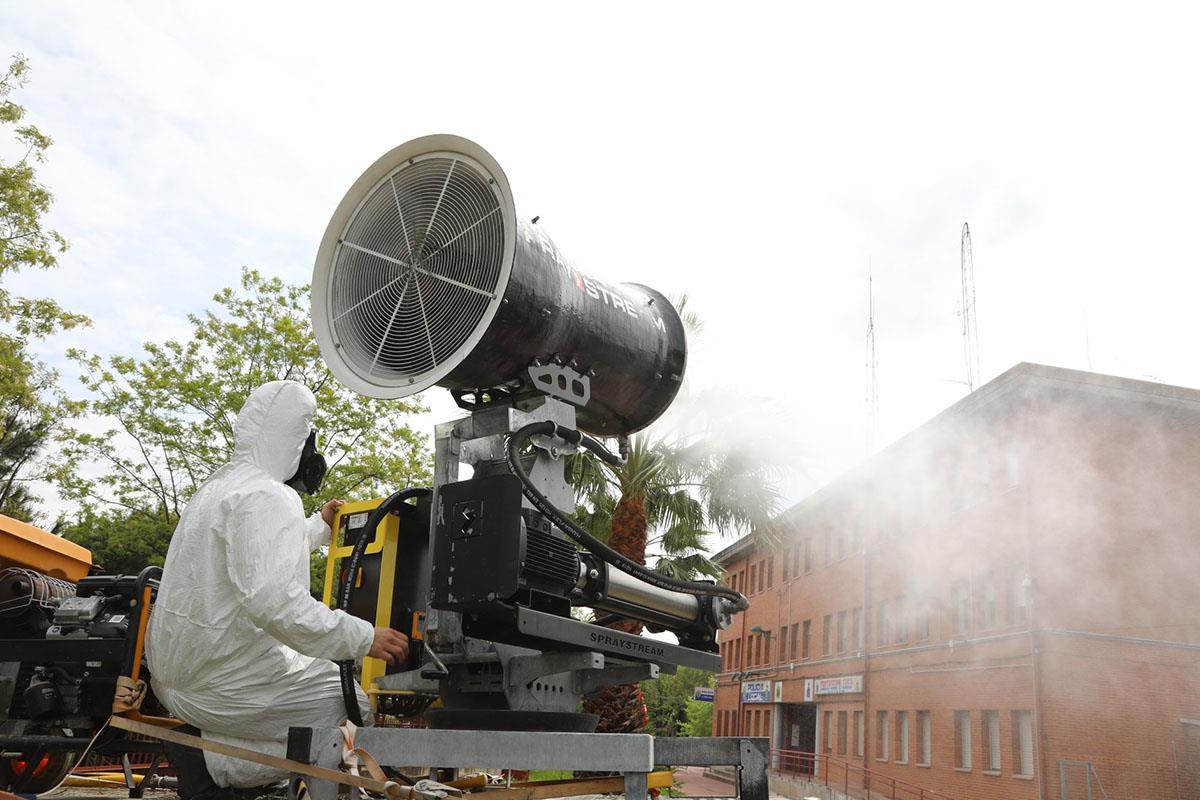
(311, 470)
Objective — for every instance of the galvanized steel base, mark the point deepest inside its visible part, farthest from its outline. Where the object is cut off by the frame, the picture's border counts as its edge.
(632, 755)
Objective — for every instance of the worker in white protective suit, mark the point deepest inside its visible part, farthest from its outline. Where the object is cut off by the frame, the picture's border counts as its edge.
(237, 646)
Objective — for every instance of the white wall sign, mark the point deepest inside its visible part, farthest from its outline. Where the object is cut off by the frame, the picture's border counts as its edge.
(849, 684)
(756, 691)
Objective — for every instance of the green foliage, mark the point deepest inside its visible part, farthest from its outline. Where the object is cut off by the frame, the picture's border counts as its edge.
(21, 437)
(28, 409)
(668, 698)
(171, 416)
(173, 410)
(693, 483)
(690, 490)
(122, 542)
(24, 239)
(699, 718)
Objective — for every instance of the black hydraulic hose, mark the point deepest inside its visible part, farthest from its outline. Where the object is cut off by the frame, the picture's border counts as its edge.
(346, 587)
(585, 539)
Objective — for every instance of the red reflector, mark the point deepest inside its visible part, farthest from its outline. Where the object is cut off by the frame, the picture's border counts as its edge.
(20, 765)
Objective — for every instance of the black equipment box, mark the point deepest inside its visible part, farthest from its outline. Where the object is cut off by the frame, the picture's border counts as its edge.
(489, 550)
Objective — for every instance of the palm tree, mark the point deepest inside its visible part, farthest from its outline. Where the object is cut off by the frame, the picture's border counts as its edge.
(669, 495)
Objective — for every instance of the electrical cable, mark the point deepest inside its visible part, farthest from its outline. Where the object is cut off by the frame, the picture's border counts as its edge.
(568, 526)
(346, 588)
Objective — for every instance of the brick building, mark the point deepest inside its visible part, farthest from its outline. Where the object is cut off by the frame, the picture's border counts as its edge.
(1005, 603)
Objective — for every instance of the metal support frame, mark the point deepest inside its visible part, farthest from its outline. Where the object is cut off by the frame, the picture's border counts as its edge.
(633, 755)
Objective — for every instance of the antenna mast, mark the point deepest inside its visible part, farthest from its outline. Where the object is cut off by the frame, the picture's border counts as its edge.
(872, 364)
(970, 331)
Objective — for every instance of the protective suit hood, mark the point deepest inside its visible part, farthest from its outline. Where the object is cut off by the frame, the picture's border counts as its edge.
(272, 426)
(237, 645)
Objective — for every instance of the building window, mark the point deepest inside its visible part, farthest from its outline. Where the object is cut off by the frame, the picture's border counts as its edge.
(808, 555)
(881, 736)
(762, 576)
(922, 621)
(795, 642)
(991, 740)
(842, 733)
(856, 628)
(840, 546)
(859, 734)
(1018, 597)
(758, 640)
(901, 619)
(806, 644)
(753, 577)
(987, 602)
(787, 558)
(770, 572)
(767, 729)
(1022, 726)
(842, 630)
(855, 538)
(737, 654)
(961, 597)
(925, 732)
(901, 737)
(828, 731)
(827, 635)
(962, 740)
(828, 547)
(783, 651)
(883, 633)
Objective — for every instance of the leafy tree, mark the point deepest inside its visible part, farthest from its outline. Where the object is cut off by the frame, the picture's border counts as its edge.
(668, 698)
(121, 542)
(669, 494)
(171, 417)
(21, 437)
(699, 718)
(24, 239)
(28, 411)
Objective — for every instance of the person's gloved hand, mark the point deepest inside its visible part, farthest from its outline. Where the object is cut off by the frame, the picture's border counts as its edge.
(328, 510)
(390, 645)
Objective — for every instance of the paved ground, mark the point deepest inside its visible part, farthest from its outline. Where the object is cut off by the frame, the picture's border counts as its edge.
(692, 782)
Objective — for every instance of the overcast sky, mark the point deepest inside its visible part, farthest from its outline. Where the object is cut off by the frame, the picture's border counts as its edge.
(758, 157)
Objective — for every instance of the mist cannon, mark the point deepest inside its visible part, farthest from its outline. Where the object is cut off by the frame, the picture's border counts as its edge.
(425, 276)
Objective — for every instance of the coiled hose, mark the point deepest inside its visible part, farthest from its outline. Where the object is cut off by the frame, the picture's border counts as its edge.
(585, 539)
(346, 588)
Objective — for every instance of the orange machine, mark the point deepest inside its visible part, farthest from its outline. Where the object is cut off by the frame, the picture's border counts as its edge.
(23, 545)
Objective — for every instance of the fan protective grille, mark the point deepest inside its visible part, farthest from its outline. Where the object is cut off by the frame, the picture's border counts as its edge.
(416, 268)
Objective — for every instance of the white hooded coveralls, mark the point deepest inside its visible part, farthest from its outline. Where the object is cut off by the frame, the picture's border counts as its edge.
(237, 646)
